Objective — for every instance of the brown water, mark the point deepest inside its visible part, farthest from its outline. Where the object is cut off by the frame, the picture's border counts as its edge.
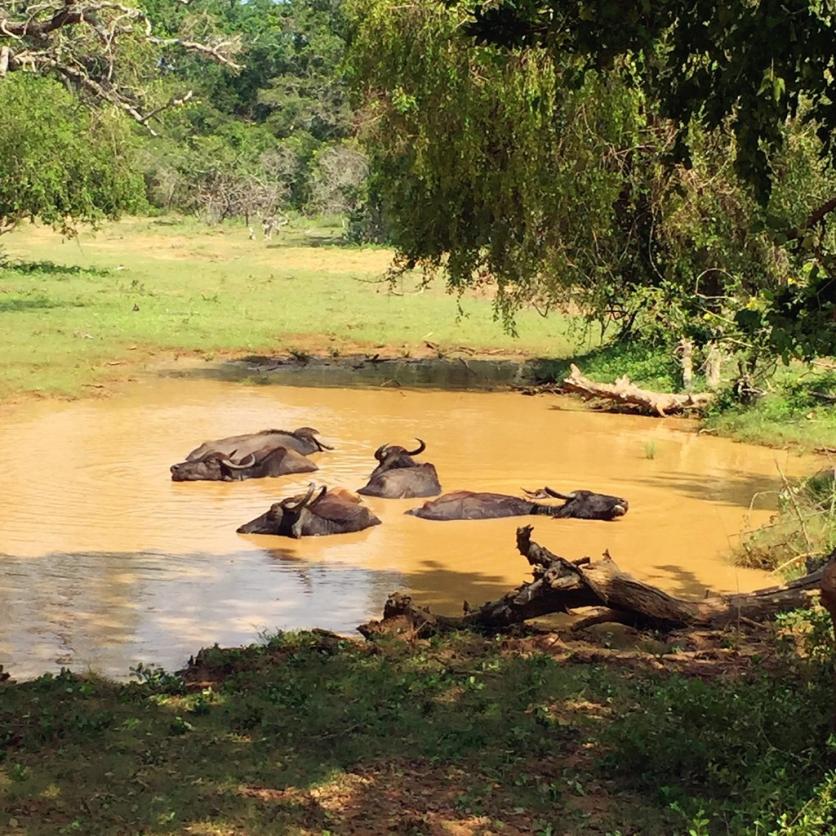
(104, 562)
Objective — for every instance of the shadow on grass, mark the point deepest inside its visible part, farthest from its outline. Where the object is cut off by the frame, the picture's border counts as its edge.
(304, 731)
(50, 268)
(302, 239)
(310, 732)
(32, 303)
(644, 364)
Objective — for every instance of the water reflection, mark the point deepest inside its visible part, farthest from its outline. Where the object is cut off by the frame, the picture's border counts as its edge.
(105, 562)
(110, 610)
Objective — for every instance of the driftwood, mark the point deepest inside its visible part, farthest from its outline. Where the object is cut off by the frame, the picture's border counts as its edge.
(623, 391)
(562, 585)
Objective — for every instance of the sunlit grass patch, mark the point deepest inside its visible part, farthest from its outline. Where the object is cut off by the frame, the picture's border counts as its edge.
(153, 285)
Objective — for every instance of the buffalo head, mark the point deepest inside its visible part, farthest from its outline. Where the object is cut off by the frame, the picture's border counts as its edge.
(581, 505)
(398, 475)
(314, 513)
(213, 467)
(285, 517)
(309, 434)
(391, 456)
(216, 466)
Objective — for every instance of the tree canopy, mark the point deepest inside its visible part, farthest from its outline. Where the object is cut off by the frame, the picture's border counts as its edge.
(244, 104)
(750, 65)
(105, 50)
(557, 178)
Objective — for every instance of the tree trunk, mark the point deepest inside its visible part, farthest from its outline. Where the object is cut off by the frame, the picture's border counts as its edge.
(685, 352)
(625, 392)
(713, 364)
(561, 585)
(828, 600)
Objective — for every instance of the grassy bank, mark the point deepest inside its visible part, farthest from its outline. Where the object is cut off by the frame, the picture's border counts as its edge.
(145, 286)
(313, 734)
(802, 531)
(796, 409)
(73, 313)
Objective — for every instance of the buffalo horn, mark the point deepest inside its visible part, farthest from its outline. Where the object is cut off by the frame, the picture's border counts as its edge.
(420, 449)
(381, 452)
(557, 495)
(308, 433)
(247, 461)
(294, 506)
(322, 491)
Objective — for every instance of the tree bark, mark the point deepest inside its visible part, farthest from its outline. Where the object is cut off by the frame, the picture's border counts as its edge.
(713, 363)
(625, 392)
(828, 600)
(561, 585)
(685, 352)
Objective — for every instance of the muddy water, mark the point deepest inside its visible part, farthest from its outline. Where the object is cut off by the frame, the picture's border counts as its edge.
(104, 562)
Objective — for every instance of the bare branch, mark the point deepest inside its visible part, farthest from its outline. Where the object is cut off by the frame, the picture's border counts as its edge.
(81, 41)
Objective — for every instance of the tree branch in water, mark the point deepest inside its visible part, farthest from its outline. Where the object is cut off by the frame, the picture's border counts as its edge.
(561, 585)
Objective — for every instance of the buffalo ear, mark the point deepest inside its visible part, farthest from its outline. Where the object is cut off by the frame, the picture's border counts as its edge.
(296, 528)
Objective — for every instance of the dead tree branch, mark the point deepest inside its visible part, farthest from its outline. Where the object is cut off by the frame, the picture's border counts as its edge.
(561, 585)
(89, 44)
(624, 392)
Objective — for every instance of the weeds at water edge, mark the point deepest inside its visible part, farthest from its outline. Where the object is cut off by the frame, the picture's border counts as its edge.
(801, 533)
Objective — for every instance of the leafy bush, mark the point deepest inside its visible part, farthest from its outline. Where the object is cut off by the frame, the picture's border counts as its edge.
(59, 162)
(741, 754)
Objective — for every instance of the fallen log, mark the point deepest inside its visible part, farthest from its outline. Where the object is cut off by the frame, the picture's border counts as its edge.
(625, 392)
(561, 585)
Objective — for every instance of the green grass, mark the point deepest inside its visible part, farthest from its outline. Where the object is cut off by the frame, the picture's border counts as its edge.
(644, 364)
(311, 734)
(144, 287)
(791, 412)
(152, 285)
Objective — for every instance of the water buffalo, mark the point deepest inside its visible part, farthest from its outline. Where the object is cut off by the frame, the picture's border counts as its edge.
(399, 476)
(313, 514)
(218, 467)
(303, 441)
(466, 505)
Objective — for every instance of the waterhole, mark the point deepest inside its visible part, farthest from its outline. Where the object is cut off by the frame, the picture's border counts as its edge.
(105, 563)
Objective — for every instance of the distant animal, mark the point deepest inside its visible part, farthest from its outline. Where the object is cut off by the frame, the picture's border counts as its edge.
(399, 476)
(467, 505)
(313, 514)
(303, 441)
(272, 224)
(218, 467)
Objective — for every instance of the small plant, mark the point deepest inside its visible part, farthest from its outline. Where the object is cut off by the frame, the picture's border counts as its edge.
(18, 773)
(650, 449)
(158, 679)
